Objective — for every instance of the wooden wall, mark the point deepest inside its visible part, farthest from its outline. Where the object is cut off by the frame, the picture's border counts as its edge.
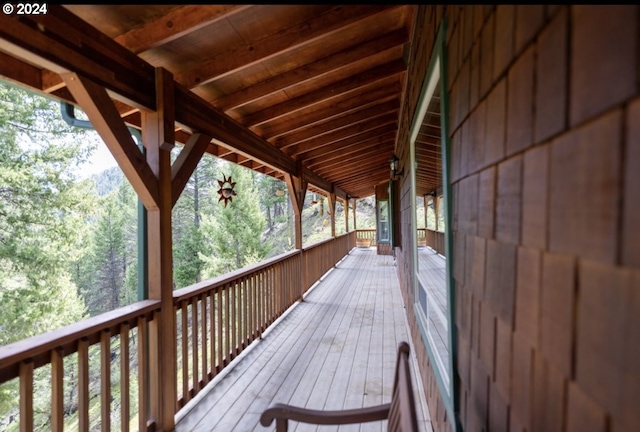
(545, 133)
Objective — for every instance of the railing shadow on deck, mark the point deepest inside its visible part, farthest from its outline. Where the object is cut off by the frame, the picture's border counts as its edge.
(215, 321)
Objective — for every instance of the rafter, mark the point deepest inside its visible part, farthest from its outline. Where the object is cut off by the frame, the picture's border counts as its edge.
(337, 123)
(205, 71)
(358, 153)
(345, 143)
(174, 24)
(340, 134)
(341, 105)
(327, 92)
(312, 70)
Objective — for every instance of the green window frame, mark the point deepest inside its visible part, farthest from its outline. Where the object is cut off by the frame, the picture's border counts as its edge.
(444, 368)
(384, 221)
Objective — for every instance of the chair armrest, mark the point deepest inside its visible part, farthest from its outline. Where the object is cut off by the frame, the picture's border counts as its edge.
(287, 412)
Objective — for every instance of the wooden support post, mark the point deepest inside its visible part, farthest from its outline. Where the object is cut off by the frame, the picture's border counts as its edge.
(346, 215)
(436, 208)
(297, 190)
(355, 219)
(426, 206)
(297, 187)
(332, 212)
(158, 138)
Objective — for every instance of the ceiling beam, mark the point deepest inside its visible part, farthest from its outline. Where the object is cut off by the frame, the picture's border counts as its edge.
(311, 70)
(330, 91)
(376, 133)
(355, 156)
(338, 122)
(70, 45)
(379, 142)
(285, 40)
(350, 131)
(369, 164)
(174, 24)
(342, 104)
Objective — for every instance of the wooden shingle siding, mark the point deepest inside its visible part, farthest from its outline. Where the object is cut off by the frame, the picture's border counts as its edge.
(545, 134)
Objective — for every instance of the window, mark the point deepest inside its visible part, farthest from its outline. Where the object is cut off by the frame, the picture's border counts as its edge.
(383, 222)
(431, 192)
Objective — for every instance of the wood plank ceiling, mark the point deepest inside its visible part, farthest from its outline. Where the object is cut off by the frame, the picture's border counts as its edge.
(322, 83)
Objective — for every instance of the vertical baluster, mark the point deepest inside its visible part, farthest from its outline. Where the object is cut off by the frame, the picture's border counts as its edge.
(220, 343)
(281, 271)
(237, 317)
(143, 377)
(246, 295)
(272, 295)
(83, 384)
(105, 381)
(268, 300)
(227, 321)
(264, 303)
(26, 396)
(203, 336)
(247, 310)
(237, 299)
(185, 352)
(252, 308)
(276, 294)
(194, 343)
(125, 411)
(212, 331)
(243, 312)
(57, 389)
(258, 305)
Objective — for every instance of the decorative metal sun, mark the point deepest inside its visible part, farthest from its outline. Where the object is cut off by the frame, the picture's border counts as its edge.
(226, 191)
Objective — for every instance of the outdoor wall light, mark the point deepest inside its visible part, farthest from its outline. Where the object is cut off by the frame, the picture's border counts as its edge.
(393, 164)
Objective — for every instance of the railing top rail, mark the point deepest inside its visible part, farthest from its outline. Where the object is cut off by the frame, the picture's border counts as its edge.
(320, 243)
(36, 348)
(209, 284)
(432, 230)
(196, 289)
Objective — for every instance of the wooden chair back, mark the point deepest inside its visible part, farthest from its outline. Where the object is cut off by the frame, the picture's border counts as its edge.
(400, 413)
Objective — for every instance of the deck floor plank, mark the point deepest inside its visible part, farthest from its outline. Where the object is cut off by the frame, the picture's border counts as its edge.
(335, 350)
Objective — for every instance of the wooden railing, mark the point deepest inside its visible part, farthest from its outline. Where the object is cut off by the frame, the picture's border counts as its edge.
(215, 321)
(433, 239)
(98, 340)
(367, 234)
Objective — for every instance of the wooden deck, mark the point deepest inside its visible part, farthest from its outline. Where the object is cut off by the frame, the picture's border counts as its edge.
(335, 350)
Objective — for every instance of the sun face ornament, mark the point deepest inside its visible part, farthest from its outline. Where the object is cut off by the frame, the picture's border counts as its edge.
(226, 191)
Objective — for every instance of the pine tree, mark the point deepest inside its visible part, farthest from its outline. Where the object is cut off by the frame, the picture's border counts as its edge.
(188, 243)
(236, 232)
(42, 213)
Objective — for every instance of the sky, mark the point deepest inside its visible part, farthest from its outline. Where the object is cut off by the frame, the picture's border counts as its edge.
(100, 160)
